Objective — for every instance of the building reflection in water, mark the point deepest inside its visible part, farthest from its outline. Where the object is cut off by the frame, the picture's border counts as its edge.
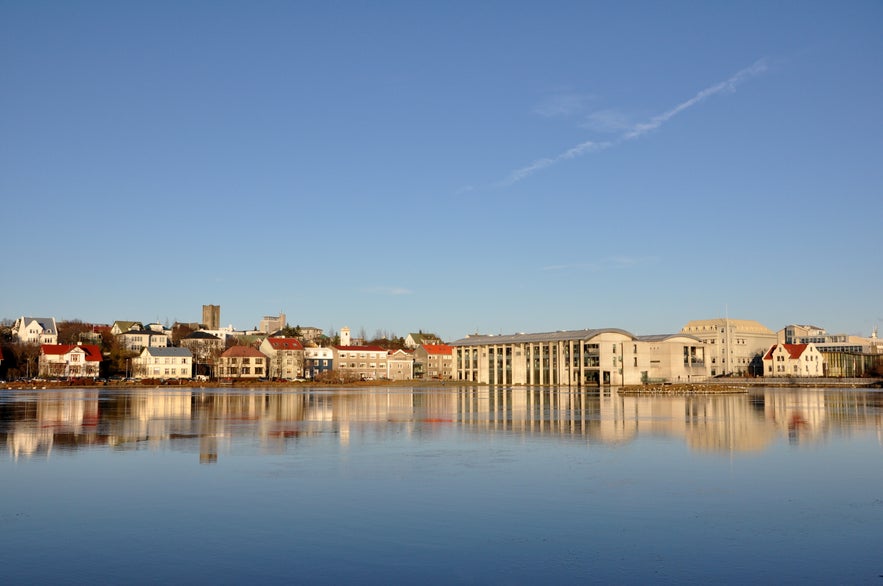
(41, 422)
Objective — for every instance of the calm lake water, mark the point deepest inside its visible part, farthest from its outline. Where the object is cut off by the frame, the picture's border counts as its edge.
(439, 485)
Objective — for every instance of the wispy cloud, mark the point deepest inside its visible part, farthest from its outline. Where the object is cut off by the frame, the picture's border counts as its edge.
(387, 291)
(631, 132)
(562, 105)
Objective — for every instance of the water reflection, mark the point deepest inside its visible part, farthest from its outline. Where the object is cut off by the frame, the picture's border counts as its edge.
(40, 422)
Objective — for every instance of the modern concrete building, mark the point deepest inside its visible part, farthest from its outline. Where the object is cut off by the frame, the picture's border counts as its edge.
(579, 357)
(272, 323)
(825, 342)
(735, 346)
(157, 362)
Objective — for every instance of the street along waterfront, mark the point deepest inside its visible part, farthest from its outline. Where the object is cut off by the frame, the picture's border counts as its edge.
(439, 484)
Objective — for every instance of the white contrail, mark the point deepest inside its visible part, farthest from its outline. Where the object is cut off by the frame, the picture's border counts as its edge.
(641, 129)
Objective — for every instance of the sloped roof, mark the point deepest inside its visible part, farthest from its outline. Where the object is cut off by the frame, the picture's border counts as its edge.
(795, 351)
(285, 343)
(47, 323)
(438, 349)
(168, 352)
(93, 352)
(200, 336)
(242, 352)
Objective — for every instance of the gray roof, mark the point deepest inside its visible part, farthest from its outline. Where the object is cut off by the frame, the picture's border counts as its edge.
(560, 336)
(47, 323)
(168, 352)
(522, 338)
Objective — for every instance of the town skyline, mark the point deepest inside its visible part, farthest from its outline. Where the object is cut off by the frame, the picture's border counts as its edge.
(451, 167)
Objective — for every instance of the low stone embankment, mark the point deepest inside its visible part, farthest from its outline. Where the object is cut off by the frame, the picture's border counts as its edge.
(679, 390)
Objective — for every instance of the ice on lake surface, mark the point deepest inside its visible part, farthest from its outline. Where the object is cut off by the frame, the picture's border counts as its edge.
(441, 485)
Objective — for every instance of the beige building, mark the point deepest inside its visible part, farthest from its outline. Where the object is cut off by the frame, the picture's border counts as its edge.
(154, 362)
(400, 365)
(272, 323)
(241, 362)
(579, 357)
(434, 361)
(735, 346)
(360, 362)
(793, 360)
(285, 357)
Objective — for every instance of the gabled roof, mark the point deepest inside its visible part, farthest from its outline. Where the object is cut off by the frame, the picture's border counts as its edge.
(200, 336)
(47, 323)
(92, 352)
(795, 351)
(167, 352)
(438, 349)
(285, 344)
(242, 352)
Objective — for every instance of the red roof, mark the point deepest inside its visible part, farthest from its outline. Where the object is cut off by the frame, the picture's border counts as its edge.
(285, 343)
(438, 349)
(794, 350)
(93, 352)
(242, 352)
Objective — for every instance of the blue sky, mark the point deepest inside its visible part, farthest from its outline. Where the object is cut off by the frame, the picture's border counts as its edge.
(451, 166)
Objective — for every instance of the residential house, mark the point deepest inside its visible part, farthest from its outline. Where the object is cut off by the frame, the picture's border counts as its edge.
(137, 339)
(317, 361)
(121, 326)
(158, 362)
(735, 346)
(205, 347)
(35, 330)
(69, 360)
(285, 357)
(434, 361)
(400, 365)
(793, 360)
(241, 362)
(413, 340)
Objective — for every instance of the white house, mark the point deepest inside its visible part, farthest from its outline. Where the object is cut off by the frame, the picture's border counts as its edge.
(157, 362)
(793, 360)
(70, 360)
(35, 330)
(137, 339)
